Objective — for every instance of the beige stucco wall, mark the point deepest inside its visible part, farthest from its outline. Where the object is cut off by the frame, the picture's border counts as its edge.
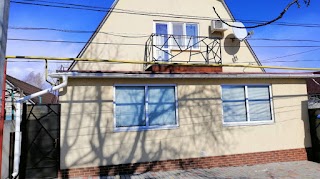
(88, 139)
(132, 24)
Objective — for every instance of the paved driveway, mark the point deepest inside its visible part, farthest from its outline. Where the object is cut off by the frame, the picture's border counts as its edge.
(303, 170)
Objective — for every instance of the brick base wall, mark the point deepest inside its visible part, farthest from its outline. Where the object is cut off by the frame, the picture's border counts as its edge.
(204, 162)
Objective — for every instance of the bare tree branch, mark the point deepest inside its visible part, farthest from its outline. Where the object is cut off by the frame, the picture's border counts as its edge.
(307, 2)
(35, 79)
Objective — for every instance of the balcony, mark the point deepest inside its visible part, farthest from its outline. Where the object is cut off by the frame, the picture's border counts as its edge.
(180, 49)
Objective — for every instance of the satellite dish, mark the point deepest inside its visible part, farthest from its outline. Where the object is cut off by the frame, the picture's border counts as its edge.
(239, 33)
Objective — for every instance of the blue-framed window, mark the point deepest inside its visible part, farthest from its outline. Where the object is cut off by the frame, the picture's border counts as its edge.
(246, 104)
(145, 107)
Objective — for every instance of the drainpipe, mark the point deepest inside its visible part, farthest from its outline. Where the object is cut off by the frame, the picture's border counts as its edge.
(19, 102)
(12, 104)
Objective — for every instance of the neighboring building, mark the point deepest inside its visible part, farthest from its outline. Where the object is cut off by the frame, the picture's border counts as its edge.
(120, 117)
(313, 93)
(16, 88)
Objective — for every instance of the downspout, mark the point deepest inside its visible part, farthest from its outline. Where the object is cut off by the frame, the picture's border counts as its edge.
(19, 102)
(12, 104)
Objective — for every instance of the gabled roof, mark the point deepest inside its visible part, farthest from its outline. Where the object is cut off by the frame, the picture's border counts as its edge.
(94, 34)
(114, 5)
(28, 89)
(245, 41)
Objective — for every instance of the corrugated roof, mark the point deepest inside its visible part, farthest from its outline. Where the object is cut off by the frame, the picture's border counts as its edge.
(28, 89)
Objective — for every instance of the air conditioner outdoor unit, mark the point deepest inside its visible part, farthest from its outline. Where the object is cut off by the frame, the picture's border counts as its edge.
(218, 26)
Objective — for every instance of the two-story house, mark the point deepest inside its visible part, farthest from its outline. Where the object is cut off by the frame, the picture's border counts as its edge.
(186, 106)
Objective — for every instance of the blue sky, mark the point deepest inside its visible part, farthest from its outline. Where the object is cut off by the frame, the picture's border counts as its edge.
(22, 15)
(267, 10)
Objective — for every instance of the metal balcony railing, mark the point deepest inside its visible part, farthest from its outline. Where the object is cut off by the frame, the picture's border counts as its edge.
(179, 48)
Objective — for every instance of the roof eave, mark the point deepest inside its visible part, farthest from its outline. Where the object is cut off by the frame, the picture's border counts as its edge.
(187, 76)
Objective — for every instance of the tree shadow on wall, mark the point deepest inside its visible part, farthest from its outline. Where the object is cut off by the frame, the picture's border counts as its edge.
(88, 137)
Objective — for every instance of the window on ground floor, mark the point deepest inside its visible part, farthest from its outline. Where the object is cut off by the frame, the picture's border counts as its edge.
(246, 104)
(142, 107)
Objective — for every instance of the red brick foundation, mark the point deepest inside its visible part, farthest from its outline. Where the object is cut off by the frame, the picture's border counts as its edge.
(204, 162)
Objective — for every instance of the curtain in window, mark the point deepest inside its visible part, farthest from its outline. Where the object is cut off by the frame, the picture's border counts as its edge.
(238, 100)
(178, 38)
(130, 105)
(234, 104)
(161, 105)
(259, 103)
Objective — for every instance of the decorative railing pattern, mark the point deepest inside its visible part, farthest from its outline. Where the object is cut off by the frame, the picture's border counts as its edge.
(196, 49)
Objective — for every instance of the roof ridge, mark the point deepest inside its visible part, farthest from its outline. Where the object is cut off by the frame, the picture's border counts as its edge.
(29, 89)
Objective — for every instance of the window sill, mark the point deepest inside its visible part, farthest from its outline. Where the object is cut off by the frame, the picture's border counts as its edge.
(234, 124)
(133, 129)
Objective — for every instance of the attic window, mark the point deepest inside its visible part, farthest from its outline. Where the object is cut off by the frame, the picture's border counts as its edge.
(183, 34)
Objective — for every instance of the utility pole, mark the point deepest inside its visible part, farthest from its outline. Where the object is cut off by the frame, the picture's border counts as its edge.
(4, 17)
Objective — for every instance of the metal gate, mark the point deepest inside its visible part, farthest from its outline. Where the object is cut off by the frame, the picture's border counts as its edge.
(40, 129)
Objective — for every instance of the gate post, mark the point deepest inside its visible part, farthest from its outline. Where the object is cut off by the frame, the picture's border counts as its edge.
(24, 143)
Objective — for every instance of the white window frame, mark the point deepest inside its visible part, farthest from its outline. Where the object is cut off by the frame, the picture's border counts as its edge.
(147, 127)
(170, 32)
(248, 122)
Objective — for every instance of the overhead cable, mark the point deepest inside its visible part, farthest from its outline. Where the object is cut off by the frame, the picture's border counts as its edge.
(138, 44)
(158, 62)
(124, 11)
(126, 35)
(265, 23)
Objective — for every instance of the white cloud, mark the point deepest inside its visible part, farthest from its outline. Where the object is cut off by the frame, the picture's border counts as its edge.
(22, 48)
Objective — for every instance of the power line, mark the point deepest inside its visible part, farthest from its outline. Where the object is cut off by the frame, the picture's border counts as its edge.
(68, 62)
(123, 11)
(59, 6)
(78, 31)
(137, 44)
(287, 61)
(307, 2)
(74, 42)
(284, 40)
(144, 35)
(158, 62)
(69, 4)
(127, 36)
(293, 54)
(290, 61)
